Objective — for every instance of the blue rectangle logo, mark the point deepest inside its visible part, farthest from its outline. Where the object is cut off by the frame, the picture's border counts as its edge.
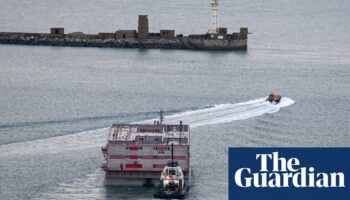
(289, 173)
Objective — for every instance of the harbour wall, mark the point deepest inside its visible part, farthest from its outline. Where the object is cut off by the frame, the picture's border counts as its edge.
(101, 40)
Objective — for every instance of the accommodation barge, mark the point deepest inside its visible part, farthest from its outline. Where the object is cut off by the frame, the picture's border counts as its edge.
(136, 154)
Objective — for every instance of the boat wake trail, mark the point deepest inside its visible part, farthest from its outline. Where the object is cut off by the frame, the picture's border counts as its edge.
(210, 115)
(224, 113)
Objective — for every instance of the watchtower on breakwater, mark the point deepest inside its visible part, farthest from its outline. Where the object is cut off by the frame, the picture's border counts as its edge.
(143, 30)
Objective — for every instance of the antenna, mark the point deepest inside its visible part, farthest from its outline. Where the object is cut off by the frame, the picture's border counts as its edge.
(180, 130)
(214, 16)
(173, 163)
(161, 117)
(172, 154)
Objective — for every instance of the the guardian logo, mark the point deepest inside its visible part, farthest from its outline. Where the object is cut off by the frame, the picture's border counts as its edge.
(279, 172)
(289, 173)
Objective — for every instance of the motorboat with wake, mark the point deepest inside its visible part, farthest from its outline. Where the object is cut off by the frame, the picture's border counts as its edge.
(172, 182)
(274, 98)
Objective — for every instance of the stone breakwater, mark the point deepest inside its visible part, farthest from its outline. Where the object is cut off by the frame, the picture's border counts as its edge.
(92, 40)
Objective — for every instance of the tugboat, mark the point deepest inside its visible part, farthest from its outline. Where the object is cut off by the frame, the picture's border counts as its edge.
(274, 98)
(172, 183)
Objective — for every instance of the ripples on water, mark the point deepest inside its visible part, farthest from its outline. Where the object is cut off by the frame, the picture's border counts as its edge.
(56, 102)
(210, 115)
(90, 186)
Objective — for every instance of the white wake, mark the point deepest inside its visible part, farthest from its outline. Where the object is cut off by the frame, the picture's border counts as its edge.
(222, 113)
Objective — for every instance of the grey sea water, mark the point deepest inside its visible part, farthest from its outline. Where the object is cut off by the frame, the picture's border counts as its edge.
(56, 102)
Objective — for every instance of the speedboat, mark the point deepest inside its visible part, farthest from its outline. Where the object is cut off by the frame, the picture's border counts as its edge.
(274, 98)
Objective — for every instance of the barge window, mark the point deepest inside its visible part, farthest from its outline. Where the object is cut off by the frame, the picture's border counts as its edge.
(155, 148)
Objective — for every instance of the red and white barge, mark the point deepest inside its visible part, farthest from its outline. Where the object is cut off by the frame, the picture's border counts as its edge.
(137, 153)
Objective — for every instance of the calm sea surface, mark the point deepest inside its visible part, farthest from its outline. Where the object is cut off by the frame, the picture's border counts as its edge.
(56, 102)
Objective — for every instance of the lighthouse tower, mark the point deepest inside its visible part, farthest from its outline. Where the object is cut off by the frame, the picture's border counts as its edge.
(214, 17)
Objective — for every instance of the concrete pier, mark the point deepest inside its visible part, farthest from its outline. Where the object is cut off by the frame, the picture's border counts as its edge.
(102, 40)
(142, 38)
